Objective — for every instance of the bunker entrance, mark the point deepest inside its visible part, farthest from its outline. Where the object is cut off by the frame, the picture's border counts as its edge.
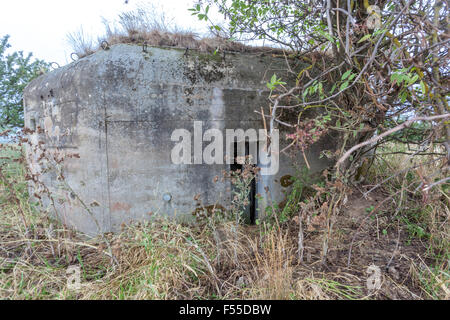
(249, 211)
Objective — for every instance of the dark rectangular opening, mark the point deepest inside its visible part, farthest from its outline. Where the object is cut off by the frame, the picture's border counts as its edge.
(32, 124)
(250, 209)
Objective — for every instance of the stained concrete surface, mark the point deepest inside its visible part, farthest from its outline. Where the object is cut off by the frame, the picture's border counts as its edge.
(118, 108)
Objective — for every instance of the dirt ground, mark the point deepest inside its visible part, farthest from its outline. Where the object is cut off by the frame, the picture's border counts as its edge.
(381, 241)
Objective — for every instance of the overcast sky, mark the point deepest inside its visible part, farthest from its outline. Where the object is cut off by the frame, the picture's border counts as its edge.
(41, 26)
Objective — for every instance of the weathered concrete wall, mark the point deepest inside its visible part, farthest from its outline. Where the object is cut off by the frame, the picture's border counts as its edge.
(118, 108)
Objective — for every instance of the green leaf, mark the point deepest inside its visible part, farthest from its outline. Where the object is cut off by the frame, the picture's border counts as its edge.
(396, 78)
(333, 88)
(326, 35)
(346, 74)
(343, 86)
(422, 87)
(367, 36)
(305, 93)
(273, 79)
(413, 79)
(403, 96)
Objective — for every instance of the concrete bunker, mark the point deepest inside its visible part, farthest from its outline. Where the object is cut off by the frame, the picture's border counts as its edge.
(118, 108)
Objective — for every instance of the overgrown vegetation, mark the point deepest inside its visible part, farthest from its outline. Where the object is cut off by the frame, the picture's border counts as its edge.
(149, 26)
(385, 204)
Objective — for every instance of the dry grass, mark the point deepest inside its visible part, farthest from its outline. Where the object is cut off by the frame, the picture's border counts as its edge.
(82, 44)
(152, 27)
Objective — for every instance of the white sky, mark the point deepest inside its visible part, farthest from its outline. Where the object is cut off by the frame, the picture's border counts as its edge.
(41, 26)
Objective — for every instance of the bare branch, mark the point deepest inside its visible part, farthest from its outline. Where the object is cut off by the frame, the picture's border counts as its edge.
(388, 132)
